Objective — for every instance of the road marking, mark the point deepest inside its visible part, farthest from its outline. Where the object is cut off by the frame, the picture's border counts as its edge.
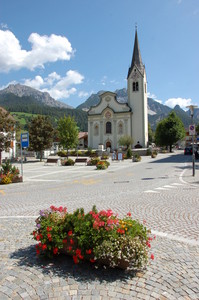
(180, 184)
(161, 188)
(2, 192)
(176, 237)
(169, 186)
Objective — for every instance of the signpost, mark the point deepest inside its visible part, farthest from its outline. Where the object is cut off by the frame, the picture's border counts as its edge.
(24, 144)
(192, 129)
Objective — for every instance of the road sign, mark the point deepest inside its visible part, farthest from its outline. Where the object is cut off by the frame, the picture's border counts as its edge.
(25, 140)
(192, 130)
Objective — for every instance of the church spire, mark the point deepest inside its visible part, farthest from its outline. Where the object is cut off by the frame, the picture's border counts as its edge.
(136, 59)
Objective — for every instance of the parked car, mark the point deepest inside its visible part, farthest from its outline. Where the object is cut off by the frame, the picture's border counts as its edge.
(188, 151)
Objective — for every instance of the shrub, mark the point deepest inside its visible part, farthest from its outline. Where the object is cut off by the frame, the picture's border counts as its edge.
(136, 157)
(9, 173)
(154, 153)
(62, 153)
(94, 161)
(102, 165)
(148, 152)
(129, 153)
(68, 162)
(99, 237)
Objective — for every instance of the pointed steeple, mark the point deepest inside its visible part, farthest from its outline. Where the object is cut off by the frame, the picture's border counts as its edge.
(136, 59)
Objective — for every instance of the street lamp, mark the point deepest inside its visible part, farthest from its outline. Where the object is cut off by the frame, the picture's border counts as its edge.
(191, 107)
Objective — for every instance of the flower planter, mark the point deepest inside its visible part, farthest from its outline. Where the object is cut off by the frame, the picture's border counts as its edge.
(96, 237)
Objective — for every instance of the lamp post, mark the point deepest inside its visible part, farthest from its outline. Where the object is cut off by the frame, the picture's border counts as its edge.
(191, 107)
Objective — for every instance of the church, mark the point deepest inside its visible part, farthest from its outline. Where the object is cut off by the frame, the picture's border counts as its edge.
(109, 119)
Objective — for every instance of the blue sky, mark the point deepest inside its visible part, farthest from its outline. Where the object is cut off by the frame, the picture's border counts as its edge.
(75, 48)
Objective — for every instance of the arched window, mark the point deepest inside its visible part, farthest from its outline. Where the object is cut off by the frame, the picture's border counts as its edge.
(135, 86)
(120, 128)
(108, 127)
(96, 130)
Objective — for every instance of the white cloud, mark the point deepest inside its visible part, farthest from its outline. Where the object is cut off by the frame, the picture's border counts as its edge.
(44, 49)
(58, 87)
(182, 102)
(35, 83)
(83, 94)
(154, 97)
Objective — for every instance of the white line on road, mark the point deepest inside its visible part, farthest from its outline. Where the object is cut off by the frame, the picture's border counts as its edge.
(176, 238)
(151, 191)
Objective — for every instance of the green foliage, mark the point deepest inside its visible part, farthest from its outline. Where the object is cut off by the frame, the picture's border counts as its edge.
(94, 161)
(28, 106)
(62, 153)
(99, 237)
(40, 134)
(125, 140)
(150, 134)
(9, 173)
(137, 157)
(169, 131)
(129, 153)
(7, 128)
(67, 132)
(102, 165)
(68, 162)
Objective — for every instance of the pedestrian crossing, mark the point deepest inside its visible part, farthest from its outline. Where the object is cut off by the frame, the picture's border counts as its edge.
(164, 188)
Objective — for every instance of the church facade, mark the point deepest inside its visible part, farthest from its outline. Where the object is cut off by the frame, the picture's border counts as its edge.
(109, 120)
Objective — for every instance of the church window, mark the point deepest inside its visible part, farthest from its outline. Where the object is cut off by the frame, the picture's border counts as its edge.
(120, 128)
(135, 86)
(108, 127)
(96, 130)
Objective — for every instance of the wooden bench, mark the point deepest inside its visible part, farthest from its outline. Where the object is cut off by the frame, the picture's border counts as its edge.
(52, 161)
(81, 160)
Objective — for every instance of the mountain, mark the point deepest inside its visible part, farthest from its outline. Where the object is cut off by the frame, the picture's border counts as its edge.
(26, 91)
(25, 107)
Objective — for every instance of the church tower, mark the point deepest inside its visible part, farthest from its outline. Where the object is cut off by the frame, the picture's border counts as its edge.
(137, 97)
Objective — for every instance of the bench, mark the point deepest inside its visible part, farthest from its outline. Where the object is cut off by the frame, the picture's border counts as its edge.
(52, 161)
(81, 160)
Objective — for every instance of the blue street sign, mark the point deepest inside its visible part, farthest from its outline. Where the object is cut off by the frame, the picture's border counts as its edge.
(25, 140)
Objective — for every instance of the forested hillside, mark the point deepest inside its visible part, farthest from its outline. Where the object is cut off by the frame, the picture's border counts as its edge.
(29, 105)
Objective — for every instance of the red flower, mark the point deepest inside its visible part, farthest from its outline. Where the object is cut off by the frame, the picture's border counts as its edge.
(55, 250)
(64, 241)
(154, 237)
(81, 256)
(44, 246)
(49, 228)
(70, 248)
(152, 256)
(70, 233)
(88, 251)
(37, 251)
(38, 237)
(75, 259)
(71, 241)
(129, 214)
(78, 252)
(92, 260)
(34, 232)
(49, 236)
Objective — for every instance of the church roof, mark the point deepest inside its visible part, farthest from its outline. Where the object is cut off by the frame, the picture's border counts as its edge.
(136, 59)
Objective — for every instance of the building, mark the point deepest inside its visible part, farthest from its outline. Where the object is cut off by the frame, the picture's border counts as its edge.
(109, 120)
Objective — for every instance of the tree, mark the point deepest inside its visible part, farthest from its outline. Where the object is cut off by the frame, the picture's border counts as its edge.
(150, 134)
(67, 132)
(7, 129)
(40, 134)
(169, 131)
(126, 140)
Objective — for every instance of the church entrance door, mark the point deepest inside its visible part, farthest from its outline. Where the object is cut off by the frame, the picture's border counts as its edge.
(108, 145)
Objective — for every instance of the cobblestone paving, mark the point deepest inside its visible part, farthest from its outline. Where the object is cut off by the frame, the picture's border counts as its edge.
(174, 274)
